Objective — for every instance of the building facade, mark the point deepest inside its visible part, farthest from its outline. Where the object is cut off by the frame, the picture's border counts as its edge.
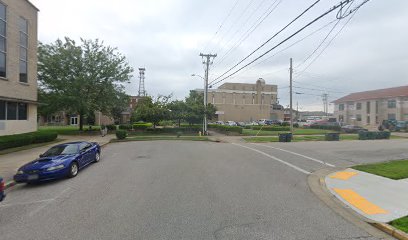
(18, 67)
(244, 102)
(370, 108)
(63, 118)
(127, 114)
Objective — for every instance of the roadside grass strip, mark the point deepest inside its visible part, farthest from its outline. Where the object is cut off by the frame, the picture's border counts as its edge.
(401, 224)
(396, 170)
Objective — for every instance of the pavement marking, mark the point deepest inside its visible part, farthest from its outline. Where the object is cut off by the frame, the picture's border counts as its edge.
(297, 154)
(359, 202)
(48, 202)
(275, 158)
(25, 203)
(343, 175)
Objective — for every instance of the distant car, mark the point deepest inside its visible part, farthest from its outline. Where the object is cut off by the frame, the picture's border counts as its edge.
(219, 122)
(230, 123)
(352, 129)
(241, 124)
(60, 161)
(2, 187)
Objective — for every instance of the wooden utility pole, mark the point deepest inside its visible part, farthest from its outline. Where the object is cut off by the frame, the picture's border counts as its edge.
(291, 92)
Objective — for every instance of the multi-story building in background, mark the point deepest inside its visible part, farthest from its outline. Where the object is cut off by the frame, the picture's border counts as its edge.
(18, 67)
(370, 108)
(245, 102)
(127, 114)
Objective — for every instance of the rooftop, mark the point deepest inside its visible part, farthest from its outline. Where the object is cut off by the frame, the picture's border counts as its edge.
(375, 94)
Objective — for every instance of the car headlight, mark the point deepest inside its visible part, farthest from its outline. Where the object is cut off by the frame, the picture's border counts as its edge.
(55, 167)
(20, 172)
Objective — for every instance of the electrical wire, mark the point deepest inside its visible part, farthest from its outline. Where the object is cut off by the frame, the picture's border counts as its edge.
(290, 23)
(283, 41)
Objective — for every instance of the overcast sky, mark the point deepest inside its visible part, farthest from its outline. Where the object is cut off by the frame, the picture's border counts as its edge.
(167, 36)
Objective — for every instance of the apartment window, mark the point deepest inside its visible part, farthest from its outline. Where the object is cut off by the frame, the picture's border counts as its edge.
(368, 120)
(358, 117)
(358, 107)
(392, 104)
(376, 120)
(253, 98)
(2, 110)
(11, 111)
(341, 107)
(22, 111)
(368, 107)
(23, 49)
(391, 116)
(377, 104)
(3, 40)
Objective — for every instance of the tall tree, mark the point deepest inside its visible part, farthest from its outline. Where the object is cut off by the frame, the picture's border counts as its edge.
(153, 111)
(195, 104)
(82, 78)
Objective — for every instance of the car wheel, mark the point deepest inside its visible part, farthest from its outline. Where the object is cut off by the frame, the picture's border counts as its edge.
(97, 157)
(73, 170)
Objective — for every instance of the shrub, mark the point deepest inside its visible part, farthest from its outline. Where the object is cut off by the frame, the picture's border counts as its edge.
(125, 126)
(121, 134)
(226, 129)
(19, 140)
(285, 124)
(271, 128)
(111, 127)
(142, 126)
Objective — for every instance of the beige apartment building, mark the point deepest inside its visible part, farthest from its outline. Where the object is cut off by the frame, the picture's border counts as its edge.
(18, 67)
(370, 108)
(245, 102)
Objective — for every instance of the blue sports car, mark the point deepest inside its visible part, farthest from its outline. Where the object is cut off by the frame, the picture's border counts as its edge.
(63, 160)
(2, 194)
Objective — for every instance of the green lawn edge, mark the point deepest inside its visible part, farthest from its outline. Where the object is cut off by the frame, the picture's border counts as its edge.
(401, 224)
(397, 169)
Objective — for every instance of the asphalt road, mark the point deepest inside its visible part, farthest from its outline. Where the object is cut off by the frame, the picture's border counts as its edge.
(190, 190)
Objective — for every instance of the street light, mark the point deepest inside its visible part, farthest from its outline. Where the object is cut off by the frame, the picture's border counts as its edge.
(205, 103)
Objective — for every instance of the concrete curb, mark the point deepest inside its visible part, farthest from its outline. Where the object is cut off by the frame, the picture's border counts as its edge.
(10, 184)
(317, 185)
(391, 230)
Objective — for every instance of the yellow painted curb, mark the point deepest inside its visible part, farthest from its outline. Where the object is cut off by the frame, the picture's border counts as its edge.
(391, 230)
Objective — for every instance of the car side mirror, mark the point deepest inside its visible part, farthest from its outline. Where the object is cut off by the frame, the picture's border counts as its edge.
(41, 155)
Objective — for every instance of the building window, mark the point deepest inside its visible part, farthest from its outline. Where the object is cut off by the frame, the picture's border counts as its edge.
(234, 100)
(368, 107)
(22, 111)
(23, 49)
(213, 99)
(253, 98)
(391, 116)
(3, 39)
(341, 118)
(341, 107)
(11, 111)
(392, 104)
(2, 110)
(368, 120)
(74, 120)
(377, 104)
(262, 99)
(358, 117)
(376, 120)
(358, 107)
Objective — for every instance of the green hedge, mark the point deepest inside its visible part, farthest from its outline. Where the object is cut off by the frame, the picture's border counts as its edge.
(365, 135)
(18, 140)
(125, 126)
(142, 126)
(271, 128)
(111, 127)
(121, 134)
(226, 129)
(326, 127)
(191, 129)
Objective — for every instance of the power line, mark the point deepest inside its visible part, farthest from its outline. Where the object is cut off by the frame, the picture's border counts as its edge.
(222, 23)
(296, 18)
(316, 89)
(256, 24)
(283, 41)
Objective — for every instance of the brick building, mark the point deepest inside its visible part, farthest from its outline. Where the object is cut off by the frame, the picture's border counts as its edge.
(18, 67)
(370, 108)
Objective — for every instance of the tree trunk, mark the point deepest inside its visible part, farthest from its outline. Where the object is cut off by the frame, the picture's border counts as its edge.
(179, 122)
(81, 122)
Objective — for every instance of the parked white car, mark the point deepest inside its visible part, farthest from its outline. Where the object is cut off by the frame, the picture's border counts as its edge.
(230, 123)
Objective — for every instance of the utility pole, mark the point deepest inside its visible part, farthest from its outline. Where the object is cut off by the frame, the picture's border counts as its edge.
(297, 111)
(291, 92)
(325, 98)
(206, 61)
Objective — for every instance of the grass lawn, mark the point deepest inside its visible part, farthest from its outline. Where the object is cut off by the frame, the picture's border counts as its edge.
(297, 131)
(154, 138)
(68, 130)
(30, 146)
(395, 169)
(401, 224)
(147, 134)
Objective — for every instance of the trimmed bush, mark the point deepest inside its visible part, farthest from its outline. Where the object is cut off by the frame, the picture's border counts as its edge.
(19, 140)
(271, 128)
(121, 134)
(125, 126)
(142, 126)
(365, 135)
(192, 129)
(111, 127)
(226, 129)
(285, 124)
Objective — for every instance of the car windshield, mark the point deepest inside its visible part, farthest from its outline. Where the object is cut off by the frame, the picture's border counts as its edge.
(61, 150)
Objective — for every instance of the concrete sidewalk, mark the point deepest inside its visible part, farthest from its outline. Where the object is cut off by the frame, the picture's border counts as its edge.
(9, 163)
(376, 198)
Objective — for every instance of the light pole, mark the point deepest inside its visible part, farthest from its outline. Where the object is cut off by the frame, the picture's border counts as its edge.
(205, 103)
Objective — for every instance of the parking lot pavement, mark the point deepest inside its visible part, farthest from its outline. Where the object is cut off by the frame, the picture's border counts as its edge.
(9, 163)
(178, 190)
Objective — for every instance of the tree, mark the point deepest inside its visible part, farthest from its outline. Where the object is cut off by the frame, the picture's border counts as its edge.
(195, 104)
(152, 111)
(179, 111)
(82, 78)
